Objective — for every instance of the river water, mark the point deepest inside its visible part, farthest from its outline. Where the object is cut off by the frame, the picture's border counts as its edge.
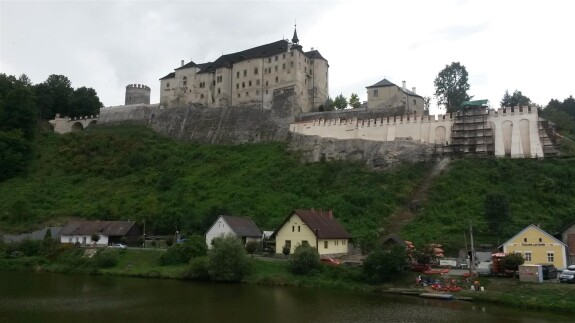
(46, 297)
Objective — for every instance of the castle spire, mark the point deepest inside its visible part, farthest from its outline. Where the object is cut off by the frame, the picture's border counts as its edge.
(294, 39)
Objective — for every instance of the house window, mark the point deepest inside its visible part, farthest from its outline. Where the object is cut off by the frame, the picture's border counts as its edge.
(325, 244)
(414, 102)
(256, 71)
(298, 228)
(70, 240)
(168, 84)
(527, 255)
(376, 93)
(245, 73)
(219, 79)
(343, 242)
(293, 228)
(336, 242)
(550, 257)
(540, 240)
(288, 244)
(185, 80)
(524, 239)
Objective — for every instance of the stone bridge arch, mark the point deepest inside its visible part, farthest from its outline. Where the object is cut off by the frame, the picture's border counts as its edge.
(75, 124)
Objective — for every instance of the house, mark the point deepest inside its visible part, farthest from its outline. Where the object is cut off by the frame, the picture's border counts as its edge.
(537, 247)
(35, 235)
(313, 227)
(568, 238)
(387, 95)
(242, 227)
(108, 232)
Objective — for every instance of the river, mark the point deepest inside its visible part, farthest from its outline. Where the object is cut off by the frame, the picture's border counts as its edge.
(47, 297)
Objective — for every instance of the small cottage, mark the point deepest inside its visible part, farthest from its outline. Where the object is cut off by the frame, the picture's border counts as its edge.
(537, 247)
(316, 228)
(239, 226)
(107, 232)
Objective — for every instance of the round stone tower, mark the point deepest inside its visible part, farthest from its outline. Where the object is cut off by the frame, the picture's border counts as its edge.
(137, 94)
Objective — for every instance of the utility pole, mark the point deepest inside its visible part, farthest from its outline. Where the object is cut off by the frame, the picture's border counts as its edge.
(472, 265)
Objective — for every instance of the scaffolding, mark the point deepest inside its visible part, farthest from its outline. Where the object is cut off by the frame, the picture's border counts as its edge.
(471, 132)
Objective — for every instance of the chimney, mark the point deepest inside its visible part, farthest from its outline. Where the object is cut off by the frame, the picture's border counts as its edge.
(413, 89)
(182, 62)
(403, 82)
(330, 213)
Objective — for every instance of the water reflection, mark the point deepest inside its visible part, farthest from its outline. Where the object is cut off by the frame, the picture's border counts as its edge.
(30, 297)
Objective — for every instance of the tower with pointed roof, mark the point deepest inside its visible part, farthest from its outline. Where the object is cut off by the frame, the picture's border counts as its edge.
(252, 77)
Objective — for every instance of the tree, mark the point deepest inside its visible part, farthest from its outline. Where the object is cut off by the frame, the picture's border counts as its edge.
(426, 105)
(304, 259)
(354, 101)
(84, 102)
(451, 87)
(252, 246)
(54, 96)
(327, 105)
(384, 265)
(227, 260)
(517, 99)
(512, 262)
(496, 208)
(340, 102)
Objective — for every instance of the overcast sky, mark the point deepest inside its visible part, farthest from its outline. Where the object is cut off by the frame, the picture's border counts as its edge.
(525, 45)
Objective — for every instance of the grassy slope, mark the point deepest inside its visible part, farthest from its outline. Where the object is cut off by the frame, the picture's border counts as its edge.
(132, 173)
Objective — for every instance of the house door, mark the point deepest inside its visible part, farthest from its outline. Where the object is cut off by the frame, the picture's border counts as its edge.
(83, 241)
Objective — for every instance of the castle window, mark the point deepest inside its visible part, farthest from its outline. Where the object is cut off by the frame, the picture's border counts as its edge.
(524, 239)
(256, 71)
(213, 83)
(284, 56)
(305, 69)
(269, 60)
(283, 66)
(239, 95)
(238, 74)
(245, 73)
(276, 68)
(414, 102)
(201, 96)
(276, 79)
(291, 64)
(219, 79)
(243, 85)
(266, 91)
(376, 93)
(250, 83)
(257, 92)
(168, 84)
(247, 93)
(185, 80)
(257, 82)
(266, 83)
(291, 54)
(237, 86)
(276, 58)
(219, 90)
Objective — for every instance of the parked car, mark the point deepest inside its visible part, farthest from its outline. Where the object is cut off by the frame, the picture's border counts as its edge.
(568, 275)
(330, 261)
(118, 246)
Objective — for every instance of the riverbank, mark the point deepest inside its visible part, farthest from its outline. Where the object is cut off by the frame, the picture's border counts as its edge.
(548, 296)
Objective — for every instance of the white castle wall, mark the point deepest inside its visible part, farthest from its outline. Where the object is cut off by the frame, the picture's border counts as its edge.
(516, 130)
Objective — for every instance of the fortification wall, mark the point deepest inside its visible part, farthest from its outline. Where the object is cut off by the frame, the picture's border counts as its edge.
(516, 132)
(135, 113)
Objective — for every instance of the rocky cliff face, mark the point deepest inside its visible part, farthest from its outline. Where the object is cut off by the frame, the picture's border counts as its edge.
(375, 154)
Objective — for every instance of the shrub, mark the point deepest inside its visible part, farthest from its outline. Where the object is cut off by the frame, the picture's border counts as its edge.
(286, 250)
(303, 260)
(384, 265)
(198, 269)
(105, 259)
(182, 253)
(252, 246)
(227, 260)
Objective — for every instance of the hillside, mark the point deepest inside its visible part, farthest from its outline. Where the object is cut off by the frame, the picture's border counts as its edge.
(130, 172)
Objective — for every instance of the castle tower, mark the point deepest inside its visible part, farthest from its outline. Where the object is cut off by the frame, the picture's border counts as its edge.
(294, 39)
(137, 94)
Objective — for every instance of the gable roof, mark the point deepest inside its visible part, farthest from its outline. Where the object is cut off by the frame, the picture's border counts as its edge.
(386, 83)
(323, 225)
(109, 228)
(536, 228)
(190, 64)
(169, 76)
(242, 226)
(314, 54)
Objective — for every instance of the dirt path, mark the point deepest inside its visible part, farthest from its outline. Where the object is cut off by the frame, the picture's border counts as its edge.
(403, 215)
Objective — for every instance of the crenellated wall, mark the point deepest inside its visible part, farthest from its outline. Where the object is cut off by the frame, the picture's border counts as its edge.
(516, 130)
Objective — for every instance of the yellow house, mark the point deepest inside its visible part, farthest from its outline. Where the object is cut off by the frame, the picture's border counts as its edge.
(316, 228)
(537, 247)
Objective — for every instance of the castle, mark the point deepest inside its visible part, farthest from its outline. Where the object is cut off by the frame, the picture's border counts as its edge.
(251, 77)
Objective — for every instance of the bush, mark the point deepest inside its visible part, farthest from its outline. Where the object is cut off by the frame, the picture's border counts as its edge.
(384, 265)
(286, 250)
(252, 246)
(227, 260)
(105, 259)
(303, 260)
(183, 253)
(198, 269)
